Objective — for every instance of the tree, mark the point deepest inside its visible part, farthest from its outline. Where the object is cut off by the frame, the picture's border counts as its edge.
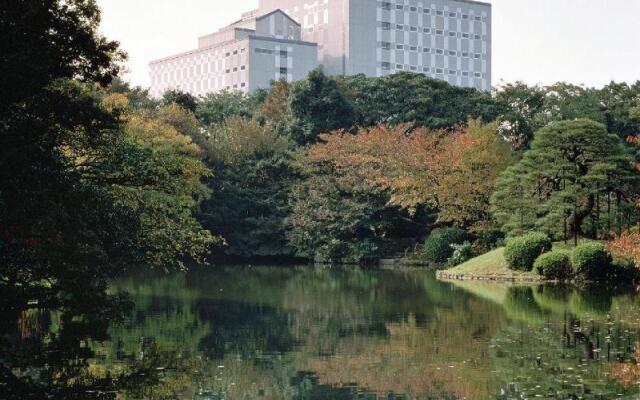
(183, 99)
(215, 108)
(251, 184)
(415, 99)
(454, 173)
(560, 183)
(86, 191)
(317, 105)
(338, 216)
(520, 106)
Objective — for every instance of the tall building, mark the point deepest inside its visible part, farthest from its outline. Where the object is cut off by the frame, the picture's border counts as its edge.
(244, 56)
(445, 39)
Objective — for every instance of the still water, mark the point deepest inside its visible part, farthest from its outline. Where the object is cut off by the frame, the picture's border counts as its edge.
(317, 333)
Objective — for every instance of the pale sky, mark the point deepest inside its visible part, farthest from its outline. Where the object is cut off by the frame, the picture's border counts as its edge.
(587, 42)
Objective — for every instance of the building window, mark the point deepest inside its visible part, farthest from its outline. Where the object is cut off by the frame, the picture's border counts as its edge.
(477, 37)
(235, 69)
(283, 53)
(414, 29)
(465, 54)
(385, 45)
(264, 51)
(465, 16)
(414, 9)
(283, 70)
(426, 11)
(413, 48)
(478, 75)
(439, 70)
(413, 68)
(399, 47)
(386, 26)
(452, 53)
(386, 6)
(400, 27)
(439, 32)
(465, 73)
(425, 69)
(439, 51)
(477, 18)
(439, 13)
(235, 52)
(227, 71)
(453, 15)
(243, 84)
(386, 66)
(243, 67)
(399, 66)
(477, 56)
(426, 30)
(227, 55)
(426, 50)
(453, 72)
(399, 7)
(465, 35)
(452, 34)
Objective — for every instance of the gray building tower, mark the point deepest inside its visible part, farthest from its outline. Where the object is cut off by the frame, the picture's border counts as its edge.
(445, 39)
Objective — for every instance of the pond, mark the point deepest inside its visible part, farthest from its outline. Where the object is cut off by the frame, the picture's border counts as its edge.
(320, 333)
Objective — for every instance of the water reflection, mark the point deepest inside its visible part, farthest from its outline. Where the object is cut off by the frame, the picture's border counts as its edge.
(308, 333)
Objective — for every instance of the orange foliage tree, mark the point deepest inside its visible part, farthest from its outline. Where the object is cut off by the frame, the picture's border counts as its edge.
(454, 172)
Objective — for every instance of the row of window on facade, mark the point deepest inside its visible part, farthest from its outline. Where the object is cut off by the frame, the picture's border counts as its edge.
(441, 13)
(438, 32)
(453, 53)
(387, 66)
(283, 53)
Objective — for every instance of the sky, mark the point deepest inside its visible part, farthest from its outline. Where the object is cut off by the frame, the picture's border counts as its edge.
(589, 42)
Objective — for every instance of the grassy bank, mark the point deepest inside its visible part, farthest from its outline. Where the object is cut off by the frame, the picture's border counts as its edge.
(489, 266)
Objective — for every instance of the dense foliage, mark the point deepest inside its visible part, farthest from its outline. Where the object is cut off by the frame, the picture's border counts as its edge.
(566, 183)
(521, 252)
(591, 261)
(554, 265)
(438, 247)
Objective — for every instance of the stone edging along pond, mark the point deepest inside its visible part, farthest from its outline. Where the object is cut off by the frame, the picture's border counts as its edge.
(447, 276)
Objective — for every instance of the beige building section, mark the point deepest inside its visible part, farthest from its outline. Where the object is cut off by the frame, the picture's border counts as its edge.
(244, 56)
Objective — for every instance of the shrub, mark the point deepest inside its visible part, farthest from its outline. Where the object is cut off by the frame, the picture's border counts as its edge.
(437, 247)
(461, 253)
(521, 252)
(592, 262)
(554, 265)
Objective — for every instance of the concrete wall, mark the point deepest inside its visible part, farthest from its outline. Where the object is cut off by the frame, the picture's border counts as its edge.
(278, 25)
(451, 41)
(272, 59)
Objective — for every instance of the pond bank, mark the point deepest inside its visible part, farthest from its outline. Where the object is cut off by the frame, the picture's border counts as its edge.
(489, 267)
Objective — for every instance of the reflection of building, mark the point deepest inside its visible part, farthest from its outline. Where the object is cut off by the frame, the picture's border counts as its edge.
(244, 56)
(445, 39)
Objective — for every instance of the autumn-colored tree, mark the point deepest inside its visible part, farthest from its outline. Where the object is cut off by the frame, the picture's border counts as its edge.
(453, 172)
(274, 108)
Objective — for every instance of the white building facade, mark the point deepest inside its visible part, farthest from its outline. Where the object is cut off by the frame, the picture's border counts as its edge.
(247, 55)
(444, 39)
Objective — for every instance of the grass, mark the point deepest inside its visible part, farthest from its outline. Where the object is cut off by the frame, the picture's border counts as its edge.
(491, 265)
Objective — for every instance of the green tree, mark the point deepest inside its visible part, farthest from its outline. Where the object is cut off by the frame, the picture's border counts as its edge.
(251, 184)
(408, 98)
(317, 105)
(561, 182)
(85, 191)
(183, 99)
(216, 108)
